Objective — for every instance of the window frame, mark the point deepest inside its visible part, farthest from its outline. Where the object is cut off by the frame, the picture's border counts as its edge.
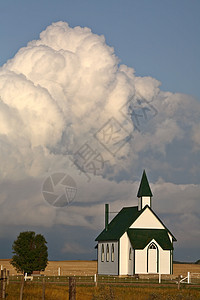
(102, 253)
(107, 252)
(130, 253)
(112, 253)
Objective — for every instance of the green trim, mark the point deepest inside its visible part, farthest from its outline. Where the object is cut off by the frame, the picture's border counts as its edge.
(133, 261)
(107, 253)
(102, 253)
(112, 252)
(157, 253)
(171, 260)
(118, 255)
(98, 259)
(106, 216)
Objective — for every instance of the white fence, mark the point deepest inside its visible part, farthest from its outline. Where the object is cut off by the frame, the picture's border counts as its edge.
(193, 278)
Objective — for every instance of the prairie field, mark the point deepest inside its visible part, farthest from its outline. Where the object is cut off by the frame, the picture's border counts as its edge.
(67, 267)
(58, 289)
(56, 292)
(83, 268)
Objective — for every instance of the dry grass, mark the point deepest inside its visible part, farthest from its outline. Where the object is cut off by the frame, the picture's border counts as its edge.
(90, 268)
(56, 292)
(67, 267)
(182, 269)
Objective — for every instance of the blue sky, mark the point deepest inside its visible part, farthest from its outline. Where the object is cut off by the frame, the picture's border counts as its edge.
(57, 95)
(157, 38)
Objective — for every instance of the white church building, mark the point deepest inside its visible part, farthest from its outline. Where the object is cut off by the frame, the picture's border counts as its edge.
(136, 241)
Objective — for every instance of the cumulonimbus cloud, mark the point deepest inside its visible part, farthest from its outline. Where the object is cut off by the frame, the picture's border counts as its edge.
(58, 90)
(57, 93)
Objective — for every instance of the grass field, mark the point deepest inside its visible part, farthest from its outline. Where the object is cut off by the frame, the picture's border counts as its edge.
(56, 292)
(57, 289)
(82, 268)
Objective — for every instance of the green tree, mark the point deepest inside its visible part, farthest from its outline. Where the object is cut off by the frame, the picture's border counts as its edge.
(30, 252)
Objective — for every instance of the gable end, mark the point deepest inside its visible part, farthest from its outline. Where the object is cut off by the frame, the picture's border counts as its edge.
(140, 238)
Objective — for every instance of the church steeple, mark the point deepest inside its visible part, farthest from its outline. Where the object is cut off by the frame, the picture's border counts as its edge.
(144, 193)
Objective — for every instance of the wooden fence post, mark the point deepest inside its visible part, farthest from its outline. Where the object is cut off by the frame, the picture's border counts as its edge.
(22, 288)
(8, 277)
(188, 279)
(4, 284)
(72, 288)
(1, 292)
(95, 279)
(179, 281)
(43, 289)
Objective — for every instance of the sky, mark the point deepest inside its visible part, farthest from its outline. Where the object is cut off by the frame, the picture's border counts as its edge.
(92, 93)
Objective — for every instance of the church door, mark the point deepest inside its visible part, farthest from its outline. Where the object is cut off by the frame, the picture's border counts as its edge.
(152, 258)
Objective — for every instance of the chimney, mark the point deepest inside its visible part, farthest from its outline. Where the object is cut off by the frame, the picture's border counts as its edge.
(106, 216)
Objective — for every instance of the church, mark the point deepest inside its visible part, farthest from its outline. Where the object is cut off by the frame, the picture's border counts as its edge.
(135, 241)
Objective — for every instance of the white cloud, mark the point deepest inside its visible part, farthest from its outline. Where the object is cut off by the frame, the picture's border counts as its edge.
(56, 93)
(196, 136)
(60, 89)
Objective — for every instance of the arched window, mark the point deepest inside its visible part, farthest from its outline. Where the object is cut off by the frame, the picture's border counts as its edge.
(152, 246)
(130, 253)
(107, 252)
(112, 253)
(102, 253)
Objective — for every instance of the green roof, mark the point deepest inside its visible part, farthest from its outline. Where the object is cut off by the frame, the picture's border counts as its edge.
(124, 219)
(140, 238)
(144, 189)
(120, 224)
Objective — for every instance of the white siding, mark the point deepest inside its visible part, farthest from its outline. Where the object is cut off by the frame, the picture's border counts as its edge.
(146, 201)
(141, 261)
(130, 260)
(124, 248)
(164, 258)
(147, 220)
(108, 267)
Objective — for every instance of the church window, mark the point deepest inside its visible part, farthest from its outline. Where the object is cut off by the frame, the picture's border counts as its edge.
(102, 253)
(112, 253)
(107, 252)
(152, 246)
(130, 253)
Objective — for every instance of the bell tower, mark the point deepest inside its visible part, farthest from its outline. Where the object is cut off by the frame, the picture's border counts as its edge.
(144, 193)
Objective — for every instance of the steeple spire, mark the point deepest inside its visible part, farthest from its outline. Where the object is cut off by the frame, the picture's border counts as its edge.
(144, 189)
(144, 193)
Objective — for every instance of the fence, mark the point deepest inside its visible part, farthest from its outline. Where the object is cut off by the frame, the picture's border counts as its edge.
(191, 278)
(70, 282)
